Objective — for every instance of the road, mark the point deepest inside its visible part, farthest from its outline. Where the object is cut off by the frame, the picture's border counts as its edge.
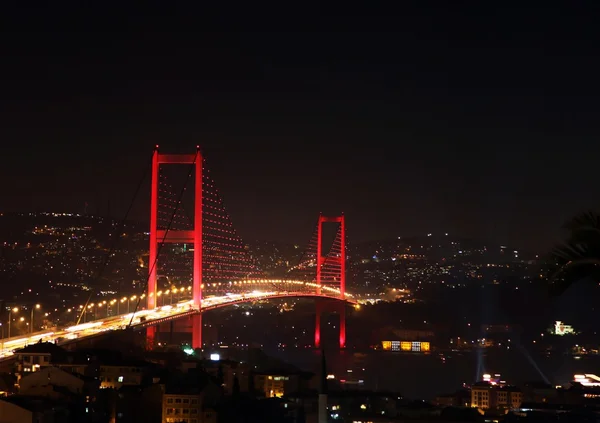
(9, 345)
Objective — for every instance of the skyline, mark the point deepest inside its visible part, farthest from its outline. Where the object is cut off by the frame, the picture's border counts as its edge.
(178, 222)
(479, 122)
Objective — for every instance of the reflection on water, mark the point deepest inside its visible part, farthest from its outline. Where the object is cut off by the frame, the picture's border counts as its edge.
(424, 376)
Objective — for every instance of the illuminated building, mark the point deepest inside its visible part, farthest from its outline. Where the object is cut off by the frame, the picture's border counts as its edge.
(36, 357)
(485, 396)
(118, 375)
(587, 379)
(275, 384)
(185, 408)
(561, 329)
(407, 346)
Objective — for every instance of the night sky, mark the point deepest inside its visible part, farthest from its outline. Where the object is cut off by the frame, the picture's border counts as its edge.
(479, 120)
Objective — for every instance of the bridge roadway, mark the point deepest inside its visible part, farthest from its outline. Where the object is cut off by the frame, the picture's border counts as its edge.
(144, 318)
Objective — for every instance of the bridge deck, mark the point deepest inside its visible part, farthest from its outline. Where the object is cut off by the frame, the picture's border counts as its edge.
(145, 318)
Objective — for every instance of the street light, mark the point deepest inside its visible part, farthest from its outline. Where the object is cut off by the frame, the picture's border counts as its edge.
(10, 312)
(129, 300)
(33, 308)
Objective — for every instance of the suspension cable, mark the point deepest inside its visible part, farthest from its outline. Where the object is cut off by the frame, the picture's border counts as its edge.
(116, 238)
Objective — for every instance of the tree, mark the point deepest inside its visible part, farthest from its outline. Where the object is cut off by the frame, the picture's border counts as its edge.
(579, 257)
(235, 389)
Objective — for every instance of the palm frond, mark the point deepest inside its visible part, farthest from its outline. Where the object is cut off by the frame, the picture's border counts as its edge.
(568, 252)
(572, 272)
(585, 222)
(579, 257)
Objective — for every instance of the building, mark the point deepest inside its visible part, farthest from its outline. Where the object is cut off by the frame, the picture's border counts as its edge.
(122, 373)
(74, 363)
(76, 392)
(361, 405)
(508, 398)
(488, 396)
(226, 371)
(186, 408)
(406, 346)
(460, 398)
(191, 398)
(277, 383)
(408, 340)
(48, 381)
(539, 392)
(111, 368)
(134, 404)
(25, 409)
(561, 329)
(35, 357)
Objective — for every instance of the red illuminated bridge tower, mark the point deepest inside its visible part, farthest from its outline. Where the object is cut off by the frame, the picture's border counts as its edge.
(193, 237)
(331, 273)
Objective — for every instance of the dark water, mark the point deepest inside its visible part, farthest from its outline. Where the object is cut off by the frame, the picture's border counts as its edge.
(422, 376)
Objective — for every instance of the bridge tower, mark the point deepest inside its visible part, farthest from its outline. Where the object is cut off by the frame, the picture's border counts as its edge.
(331, 272)
(193, 236)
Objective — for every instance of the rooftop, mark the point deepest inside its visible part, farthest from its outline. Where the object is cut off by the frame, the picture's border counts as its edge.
(42, 348)
(489, 385)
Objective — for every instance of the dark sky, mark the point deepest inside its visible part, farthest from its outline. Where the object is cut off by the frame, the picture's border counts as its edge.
(476, 119)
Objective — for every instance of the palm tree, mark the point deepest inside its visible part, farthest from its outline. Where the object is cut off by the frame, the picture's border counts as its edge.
(579, 257)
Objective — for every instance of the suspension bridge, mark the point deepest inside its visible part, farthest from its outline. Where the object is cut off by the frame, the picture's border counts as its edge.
(203, 247)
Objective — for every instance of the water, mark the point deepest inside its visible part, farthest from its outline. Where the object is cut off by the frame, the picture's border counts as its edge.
(421, 376)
